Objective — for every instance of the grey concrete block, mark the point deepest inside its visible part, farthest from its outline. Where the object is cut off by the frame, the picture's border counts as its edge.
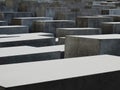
(28, 21)
(27, 40)
(91, 21)
(62, 32)
(116, 18)
(67, 74)
(8, 16)
(111, 11)
(14, 29)
(51, 25)
(3, 23)
(21, 54)
(76, 46)
(111, 27)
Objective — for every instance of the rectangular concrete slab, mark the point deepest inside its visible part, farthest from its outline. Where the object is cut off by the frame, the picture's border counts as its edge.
(50, 26)
(76, 46)
(93, 72)
(111, 12)
(111, 27)
(29, 40)
(3, 23)
(8, 16)
(62, 32)
(116, 18)
(21, 54)
(13, 29)
(91, 21)
(28, 21)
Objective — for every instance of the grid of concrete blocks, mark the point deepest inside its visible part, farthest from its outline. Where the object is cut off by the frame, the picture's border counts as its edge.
(59, 45)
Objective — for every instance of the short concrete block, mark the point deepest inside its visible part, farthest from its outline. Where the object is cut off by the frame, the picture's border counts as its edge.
(116, 18)
(62, 32)
(110, 12)
(8, 16)
(29, 40)
(21, 54)
(50, 26)
(67, 74)
(3, 23)
(13, 29)
(92, 21)
(111, 27)
(76, 46)
(28, 21)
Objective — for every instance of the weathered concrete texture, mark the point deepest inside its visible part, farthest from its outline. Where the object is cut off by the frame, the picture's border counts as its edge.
(29, 40)
(28, 21)
(76, 46)
(62, 32)
(68, 74)
(50, 26)
(8, 16)
(13, 29)
(3, 23)
(30, 54)
(91, 21)
(111, 27)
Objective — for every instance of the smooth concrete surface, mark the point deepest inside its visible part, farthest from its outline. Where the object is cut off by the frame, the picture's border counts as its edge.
(13, 29)
(94, 72)
(8, 36)
(29, 40)
(76, 46)
(21, 54)
(33, 34)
